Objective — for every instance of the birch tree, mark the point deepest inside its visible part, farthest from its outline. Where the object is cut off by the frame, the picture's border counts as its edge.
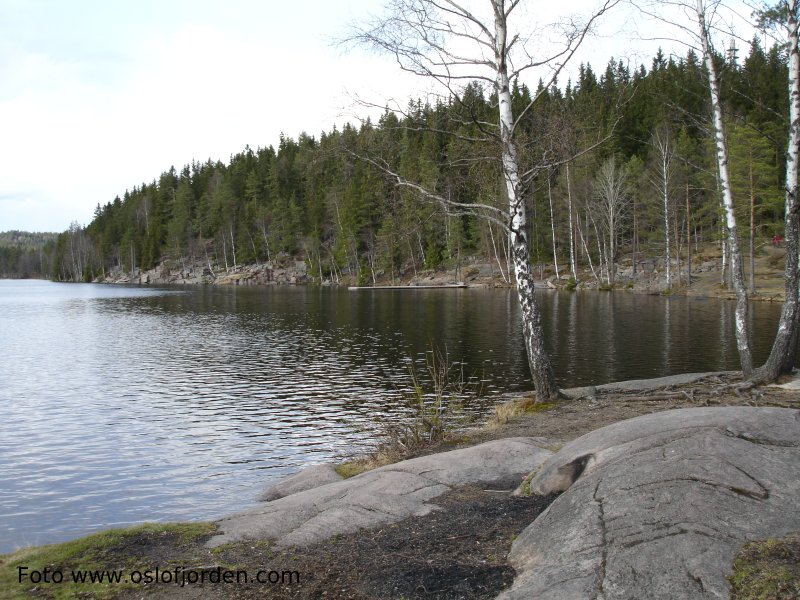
(662, 182)
(784, 15)
(453, 43)
(613, 201)
(703, 11)
(694, 20)
(572, 254)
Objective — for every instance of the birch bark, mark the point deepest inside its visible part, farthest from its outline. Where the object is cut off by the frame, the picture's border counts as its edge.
(539, 361)
(448, 43)
(665, 158)
(688, 239)
(784, 348)
(737, 271)
(572, 262)
(553, 227)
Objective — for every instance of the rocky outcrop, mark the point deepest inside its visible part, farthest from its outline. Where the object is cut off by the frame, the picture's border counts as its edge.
(284, 271)
(308, 478)
(383, 495)
(657, 506)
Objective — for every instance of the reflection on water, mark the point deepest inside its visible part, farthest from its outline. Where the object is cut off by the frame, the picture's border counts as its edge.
(124, 404)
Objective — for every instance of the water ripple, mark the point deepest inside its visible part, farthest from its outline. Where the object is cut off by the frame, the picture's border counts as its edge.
(124, 404)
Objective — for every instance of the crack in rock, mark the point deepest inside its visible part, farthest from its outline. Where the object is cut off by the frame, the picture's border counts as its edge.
(681, 531)
(675, 504)
(762, 495)
(743, 435)
(599, 592)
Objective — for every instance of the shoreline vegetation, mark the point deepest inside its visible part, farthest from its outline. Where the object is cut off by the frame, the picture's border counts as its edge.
(649, 276)
(459, 551)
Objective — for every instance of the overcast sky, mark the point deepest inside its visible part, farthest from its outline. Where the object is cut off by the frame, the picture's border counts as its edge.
(97, 96)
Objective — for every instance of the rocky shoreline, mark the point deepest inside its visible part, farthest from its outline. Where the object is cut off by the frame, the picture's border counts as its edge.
(649, 276)
(636, 489)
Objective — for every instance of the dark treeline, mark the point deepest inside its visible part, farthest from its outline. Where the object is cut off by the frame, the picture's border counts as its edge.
(24, 254)
(332, 202)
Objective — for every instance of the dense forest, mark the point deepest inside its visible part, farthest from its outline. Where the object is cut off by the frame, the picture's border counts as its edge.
(623, 160)
(24, 254)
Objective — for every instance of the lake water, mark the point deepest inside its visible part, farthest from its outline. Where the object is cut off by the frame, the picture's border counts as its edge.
(124, 404)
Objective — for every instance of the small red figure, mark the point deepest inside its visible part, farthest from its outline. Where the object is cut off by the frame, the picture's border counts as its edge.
(776, 240)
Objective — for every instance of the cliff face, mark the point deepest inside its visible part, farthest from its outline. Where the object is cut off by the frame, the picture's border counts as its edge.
(284, 272)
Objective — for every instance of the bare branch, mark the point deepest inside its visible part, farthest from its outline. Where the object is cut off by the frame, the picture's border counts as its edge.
(491, 213)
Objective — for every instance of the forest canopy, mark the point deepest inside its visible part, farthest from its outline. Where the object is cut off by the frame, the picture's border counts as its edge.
(318, 200)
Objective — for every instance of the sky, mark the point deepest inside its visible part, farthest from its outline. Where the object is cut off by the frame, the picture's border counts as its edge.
(99, 96)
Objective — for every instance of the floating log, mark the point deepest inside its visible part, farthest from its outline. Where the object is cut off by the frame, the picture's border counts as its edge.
(409, 287)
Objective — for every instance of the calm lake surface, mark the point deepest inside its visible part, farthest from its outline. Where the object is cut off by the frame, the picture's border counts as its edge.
(125, 404)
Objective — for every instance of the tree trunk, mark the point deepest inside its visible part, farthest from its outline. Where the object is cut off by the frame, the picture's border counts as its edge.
(253, 244)
(688, 239)
(263, 228)
(665, 198)
(544, 380)
(601, 256)
(784, 348)
(635, 239)
(752, 231)
(413, 260)
(678, 243)
(572, 262)
(496, 256)
(723, 269)
(233, 248)
(586, 250)
(737, 272)
(552, 227)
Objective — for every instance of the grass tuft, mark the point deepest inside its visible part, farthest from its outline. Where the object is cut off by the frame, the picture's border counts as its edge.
(767, 570)
(115, 549)
(506, 411)
(436, 413)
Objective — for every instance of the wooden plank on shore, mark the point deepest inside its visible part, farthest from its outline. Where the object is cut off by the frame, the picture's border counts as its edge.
(409, 287)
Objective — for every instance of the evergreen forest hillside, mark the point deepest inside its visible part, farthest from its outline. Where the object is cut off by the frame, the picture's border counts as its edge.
(24, 254)
(333, 202)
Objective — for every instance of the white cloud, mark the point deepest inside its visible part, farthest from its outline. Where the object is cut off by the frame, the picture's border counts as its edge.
(100, 100)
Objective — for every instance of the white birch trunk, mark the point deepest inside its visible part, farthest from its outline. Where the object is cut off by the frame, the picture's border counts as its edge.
(688, 239)
(609, 263)
(538, 359)
(737, 272)
(233, 248)
(665, 153)
(572, 262)
(665, 197)
(586, 251)
(253, 245)
(208, 262)
(724, 268)
(611, 258)
(413, 260)
(497, 256)
(600, 254)
(263, 228)
(552, 227)
(678, 244)
(784, 348)
(752, 230)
